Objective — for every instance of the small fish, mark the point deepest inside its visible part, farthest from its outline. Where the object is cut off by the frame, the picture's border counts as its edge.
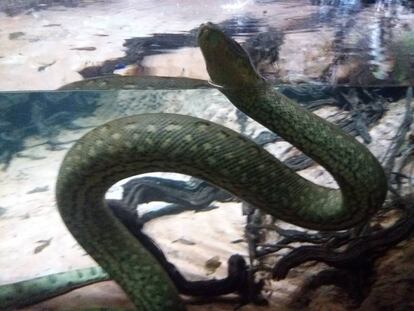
(52, 25)
(86, 48)
(38, 189)
(43, 67)
(42, 246)
(238, 241)
(184, 241)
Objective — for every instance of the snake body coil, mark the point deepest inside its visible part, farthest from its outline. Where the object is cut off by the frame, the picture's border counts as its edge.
(183, 144)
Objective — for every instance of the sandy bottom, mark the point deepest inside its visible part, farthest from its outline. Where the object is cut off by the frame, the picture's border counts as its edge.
(37, 242)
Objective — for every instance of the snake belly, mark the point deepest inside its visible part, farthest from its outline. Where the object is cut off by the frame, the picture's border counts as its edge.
(176, 143)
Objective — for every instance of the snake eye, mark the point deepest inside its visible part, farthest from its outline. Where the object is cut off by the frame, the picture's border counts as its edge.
(205, 30)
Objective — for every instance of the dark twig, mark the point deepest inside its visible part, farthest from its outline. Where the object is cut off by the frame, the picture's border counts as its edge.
(235, 282)
(361, 248)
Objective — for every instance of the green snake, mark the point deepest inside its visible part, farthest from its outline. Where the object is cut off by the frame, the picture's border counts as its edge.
(176, 143)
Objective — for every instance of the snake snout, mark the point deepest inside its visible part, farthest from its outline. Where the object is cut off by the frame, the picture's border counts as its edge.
(203, 29)
(211, 37)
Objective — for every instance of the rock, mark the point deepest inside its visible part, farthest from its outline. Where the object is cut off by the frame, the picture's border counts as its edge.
(212, 264)
(395, 281)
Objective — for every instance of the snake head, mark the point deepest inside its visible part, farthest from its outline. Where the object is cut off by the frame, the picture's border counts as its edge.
(228, 64)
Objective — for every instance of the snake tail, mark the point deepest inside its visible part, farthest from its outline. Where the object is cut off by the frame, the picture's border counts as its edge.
(16, 295)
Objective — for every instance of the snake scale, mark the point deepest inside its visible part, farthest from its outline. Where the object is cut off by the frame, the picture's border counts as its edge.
(176, 143)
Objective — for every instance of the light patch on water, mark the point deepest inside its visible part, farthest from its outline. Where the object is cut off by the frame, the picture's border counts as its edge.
(236, 5)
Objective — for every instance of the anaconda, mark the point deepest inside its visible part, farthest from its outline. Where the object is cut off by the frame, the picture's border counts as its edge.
(176, 143)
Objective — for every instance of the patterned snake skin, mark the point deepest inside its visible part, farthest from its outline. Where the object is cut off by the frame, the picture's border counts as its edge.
(176, 143)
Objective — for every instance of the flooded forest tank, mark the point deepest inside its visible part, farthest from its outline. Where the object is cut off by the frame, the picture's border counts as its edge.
(193, 155)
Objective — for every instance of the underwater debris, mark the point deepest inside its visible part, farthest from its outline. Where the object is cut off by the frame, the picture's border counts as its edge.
(38, 189)
(43, 67)
(196, 195)
(235, 282)
(86, 48)
(184, 242)
(3, 211)
(212, 264)
(42, 246)
(138, 48)
(52, 25)
(16, 35)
